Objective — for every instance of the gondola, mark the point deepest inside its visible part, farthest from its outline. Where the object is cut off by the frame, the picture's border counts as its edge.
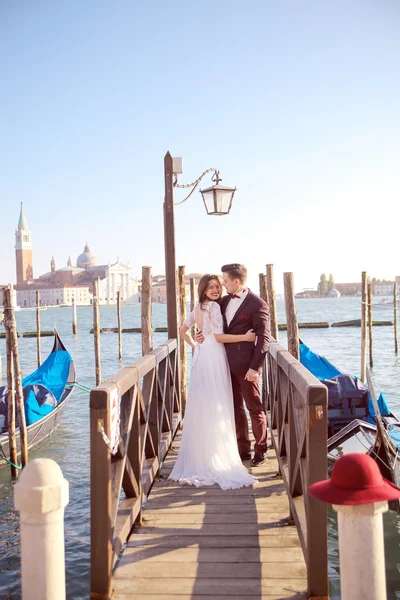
(46, 393)
(358, 420)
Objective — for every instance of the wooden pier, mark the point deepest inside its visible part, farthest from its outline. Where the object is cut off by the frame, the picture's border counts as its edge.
(206, 542)
(156, 540)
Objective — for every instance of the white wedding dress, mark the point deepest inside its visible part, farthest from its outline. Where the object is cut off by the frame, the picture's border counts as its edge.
(208, 452)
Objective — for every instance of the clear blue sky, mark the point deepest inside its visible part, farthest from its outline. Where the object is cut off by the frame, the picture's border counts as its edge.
(297, 103)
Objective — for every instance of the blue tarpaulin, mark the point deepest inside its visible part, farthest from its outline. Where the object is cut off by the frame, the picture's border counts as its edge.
(322, 369)
(34, 412)
(394, 433)
(43, 389)
(52, 374)
(317, 365)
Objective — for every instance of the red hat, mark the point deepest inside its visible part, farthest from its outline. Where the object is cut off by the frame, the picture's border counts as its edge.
(356, 479)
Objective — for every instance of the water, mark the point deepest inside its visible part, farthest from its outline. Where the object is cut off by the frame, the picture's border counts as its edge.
(69, 445)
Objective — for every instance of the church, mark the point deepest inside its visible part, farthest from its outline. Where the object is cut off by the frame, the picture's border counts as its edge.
(70, 283)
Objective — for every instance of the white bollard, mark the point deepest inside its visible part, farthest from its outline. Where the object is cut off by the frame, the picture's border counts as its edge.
(41, 495)
(360, 495)
(361, 551)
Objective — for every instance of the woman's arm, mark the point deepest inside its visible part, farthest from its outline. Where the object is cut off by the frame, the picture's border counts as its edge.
(217, 328)
(183, 332)
(229, 338)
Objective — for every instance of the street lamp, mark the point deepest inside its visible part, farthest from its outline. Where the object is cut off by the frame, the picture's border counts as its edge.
(218, 198)
(217, 201)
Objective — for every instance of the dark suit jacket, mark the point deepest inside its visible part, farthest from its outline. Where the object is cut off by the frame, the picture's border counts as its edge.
(253, 313)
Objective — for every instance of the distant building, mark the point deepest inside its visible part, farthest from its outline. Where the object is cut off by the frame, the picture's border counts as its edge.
(382, 288)
(69, 283)
(348, 289)
(379, 288)
(308, 293)
(159, 287)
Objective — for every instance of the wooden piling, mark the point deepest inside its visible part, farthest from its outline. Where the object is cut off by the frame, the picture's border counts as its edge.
(10, 385)
(263, 286)
(147, 332)
(39, 359)
(96, 329)
(182, 343)
(192, 304)
(291, 316)
(264, 296)
(272, 302)
(19, 397)
(363, 326)
(74, 320)
(369, 296)
(119, 325)
(395, 316)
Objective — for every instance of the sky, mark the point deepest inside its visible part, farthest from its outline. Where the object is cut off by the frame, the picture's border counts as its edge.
(296, 103)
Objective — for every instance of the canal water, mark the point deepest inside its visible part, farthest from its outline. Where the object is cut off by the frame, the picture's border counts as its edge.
(69, 445)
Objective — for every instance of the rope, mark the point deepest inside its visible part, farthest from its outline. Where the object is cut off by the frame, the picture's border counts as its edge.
(2, 455)
(373, 452)
(378, 305)
(113, 443)
(84, 388)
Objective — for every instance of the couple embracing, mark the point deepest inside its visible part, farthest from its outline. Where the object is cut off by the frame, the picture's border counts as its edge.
(229, 351)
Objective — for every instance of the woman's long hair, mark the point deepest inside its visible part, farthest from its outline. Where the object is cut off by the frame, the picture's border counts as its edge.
(203, 285)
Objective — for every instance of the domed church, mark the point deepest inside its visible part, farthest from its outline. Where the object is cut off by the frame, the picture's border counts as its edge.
(70, 283)
(86, 259)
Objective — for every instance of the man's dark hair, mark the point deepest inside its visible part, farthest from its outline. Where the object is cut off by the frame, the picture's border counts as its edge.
(235, 271)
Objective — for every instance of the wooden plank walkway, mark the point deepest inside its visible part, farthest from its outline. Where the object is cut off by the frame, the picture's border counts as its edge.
(206, 542)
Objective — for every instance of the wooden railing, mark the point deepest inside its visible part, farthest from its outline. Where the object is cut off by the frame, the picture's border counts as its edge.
(149, 415)
(297, 413)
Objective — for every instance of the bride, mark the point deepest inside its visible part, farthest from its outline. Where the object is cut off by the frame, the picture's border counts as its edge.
(208, 452)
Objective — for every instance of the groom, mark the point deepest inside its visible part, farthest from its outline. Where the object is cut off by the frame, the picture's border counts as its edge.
(242, 310)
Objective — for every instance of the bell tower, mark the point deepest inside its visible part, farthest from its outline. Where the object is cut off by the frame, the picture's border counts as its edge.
(23, 250)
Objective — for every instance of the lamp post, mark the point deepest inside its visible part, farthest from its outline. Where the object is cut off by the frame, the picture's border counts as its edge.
(217, 201)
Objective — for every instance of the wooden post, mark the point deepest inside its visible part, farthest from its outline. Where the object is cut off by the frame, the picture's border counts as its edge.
(169, 239)
(96, 331)
(363, 326)
(291, 316)
(101, 536)
(264, 296)
(369, 296)
(192, 304)
(10, 383)
(395, 316)
(74, 320)
(12, 332)
(316, 511)
(147, 333)
(263, 287)
(39, 360)
(182, 343)
(272, 302)
(20, 403)
(119, 325)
